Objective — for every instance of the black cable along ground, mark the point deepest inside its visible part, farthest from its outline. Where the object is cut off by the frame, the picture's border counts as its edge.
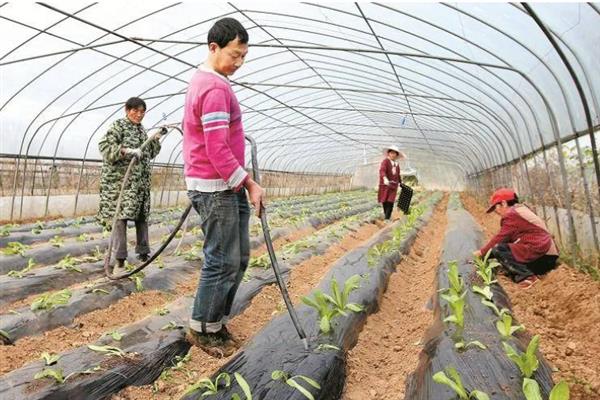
(264, 224)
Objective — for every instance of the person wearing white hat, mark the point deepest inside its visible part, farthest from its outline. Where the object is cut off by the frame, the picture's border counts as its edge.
(389, 180)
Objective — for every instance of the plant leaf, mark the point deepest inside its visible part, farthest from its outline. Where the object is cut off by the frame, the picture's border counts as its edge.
(560, 391)
(531, 389)
(244, 385)
(441, 378)
(57, 374)
(301, 389)
(479, 395)
(310, 381)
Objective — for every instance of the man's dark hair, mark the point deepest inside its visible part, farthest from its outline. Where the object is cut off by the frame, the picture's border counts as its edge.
(511, 203)
(225, 30)
(135, 102)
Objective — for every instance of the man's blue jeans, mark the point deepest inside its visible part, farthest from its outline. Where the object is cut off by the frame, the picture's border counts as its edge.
(224, 220)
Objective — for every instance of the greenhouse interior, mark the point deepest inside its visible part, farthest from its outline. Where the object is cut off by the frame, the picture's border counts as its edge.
(338, 200)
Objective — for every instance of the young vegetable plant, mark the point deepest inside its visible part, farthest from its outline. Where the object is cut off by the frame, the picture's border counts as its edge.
(456, 281)
(115, 334)
(260, 262)
(454, 382)
(68, 263)
(37, 229)
(13, 248)
(56, 374)
(283, 376)
(107, 350)
(20, 274)
(51, 300)
(532, 391)
(210, 386)
(527, 362)
(84, 237)
(330, 306)
(457, 305)
(506, 328)
(491, 305)
(57, 241)
(138, 280)
(49, 358)
(485, 292)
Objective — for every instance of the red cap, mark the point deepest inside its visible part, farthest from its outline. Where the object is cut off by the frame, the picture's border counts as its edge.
(503, 194)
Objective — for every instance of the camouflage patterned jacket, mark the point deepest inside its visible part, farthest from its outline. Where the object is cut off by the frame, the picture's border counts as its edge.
(135, 204)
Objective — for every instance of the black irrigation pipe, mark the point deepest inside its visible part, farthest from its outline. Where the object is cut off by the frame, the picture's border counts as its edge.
(156, 348)
(488, 370)
(275, 347)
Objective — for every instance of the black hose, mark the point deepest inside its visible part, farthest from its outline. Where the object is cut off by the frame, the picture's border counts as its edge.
(271, 250)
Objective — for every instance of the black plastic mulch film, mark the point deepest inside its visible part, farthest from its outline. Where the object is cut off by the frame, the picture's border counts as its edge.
(488, 370)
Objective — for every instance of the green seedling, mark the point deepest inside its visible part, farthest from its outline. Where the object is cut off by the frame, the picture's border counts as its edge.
(325, 346)
(49, 358)
(560, 391)
(57, 241)
(68, 263)
(491, 305)
(329, 306)
(532, 391)
(457, 305)
(107, 350)
(527, 362)
(464, 346)
(454, 382)
(105, 234)
(485, 292)
(102, 291)
(13, 248)
(84, 237)
(52, 300)
(37, 229)
(209, 386)
(159, 262)
(5, 230)
(6, 336)
(162, 311)
(170, 326)
(456, 282)
(243, 385)
(283, 376)
(138, 279)
(376, 252)
(20, 274)
(260, 262)
(115, 335)
(505, 326)
(56, 374)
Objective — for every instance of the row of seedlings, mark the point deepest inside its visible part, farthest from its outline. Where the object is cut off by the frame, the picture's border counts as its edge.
(466, 348)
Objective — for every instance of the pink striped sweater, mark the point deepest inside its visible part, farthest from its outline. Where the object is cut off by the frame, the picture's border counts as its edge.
(213, 135)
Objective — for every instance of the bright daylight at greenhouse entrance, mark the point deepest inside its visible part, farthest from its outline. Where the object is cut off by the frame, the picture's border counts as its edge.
(285, 200)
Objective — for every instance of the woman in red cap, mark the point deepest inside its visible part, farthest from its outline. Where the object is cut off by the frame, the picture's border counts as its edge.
(524, 247)
(389, 179)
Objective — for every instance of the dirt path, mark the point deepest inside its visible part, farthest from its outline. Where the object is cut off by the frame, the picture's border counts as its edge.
(564, 308)
(303, 279)
(389, 345)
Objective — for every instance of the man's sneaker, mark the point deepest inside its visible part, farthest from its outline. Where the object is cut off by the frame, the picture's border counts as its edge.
(119, 268)
(214, 344)
(228, 337)
(143, 257)
(528, 282)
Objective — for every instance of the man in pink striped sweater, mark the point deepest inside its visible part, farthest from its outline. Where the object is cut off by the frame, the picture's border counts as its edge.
(213, 152)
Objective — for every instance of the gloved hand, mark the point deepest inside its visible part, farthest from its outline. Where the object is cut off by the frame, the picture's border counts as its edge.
(386, 181)
(137, 153)
(162, 132)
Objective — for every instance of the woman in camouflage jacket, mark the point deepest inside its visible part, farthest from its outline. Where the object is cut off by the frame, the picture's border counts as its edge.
(118, 146)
